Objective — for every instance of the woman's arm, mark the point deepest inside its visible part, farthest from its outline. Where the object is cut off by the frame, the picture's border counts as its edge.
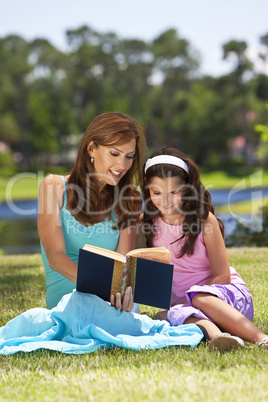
(216, 250)
(127, 240)
(140, 235)
(49, 227)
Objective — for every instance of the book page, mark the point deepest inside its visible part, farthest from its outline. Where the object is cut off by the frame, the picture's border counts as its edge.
(107, 253)
(160, 254)
(117, 278)
(132, 262)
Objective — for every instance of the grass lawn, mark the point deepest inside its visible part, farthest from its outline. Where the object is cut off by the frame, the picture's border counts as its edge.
(173, 374)
(220, 179)
(19, 187)
(243, 207)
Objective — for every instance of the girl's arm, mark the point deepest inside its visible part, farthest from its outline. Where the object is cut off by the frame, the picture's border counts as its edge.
(216, 250)
(49, 227)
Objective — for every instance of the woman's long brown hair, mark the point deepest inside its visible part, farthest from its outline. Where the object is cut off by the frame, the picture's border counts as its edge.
(85, 200)
(195, 198)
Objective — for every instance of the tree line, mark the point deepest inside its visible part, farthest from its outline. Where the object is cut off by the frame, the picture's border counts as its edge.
(48, 96)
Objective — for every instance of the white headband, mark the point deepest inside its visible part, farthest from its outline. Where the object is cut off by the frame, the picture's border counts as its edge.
(168, 159)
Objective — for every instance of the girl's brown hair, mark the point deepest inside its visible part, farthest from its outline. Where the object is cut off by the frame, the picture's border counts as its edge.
(85, 200)
(195, 198)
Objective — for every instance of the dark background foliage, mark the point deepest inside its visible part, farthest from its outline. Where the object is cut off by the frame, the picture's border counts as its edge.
(48, 97)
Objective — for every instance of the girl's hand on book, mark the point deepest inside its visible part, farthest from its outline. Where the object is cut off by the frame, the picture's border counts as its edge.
(126, 304)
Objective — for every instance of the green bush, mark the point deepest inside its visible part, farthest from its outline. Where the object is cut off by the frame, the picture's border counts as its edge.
(6, 159)
(245, 236)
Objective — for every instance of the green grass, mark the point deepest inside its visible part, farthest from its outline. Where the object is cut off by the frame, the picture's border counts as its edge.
(221, 179)
(173, 374)
(243, 207)
(19, 187)
(25, 185)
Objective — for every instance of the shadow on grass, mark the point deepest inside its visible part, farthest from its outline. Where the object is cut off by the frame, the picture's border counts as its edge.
(15, 283)
(20, 262)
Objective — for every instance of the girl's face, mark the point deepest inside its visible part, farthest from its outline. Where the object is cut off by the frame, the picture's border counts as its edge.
(111, 163)
(166, 195)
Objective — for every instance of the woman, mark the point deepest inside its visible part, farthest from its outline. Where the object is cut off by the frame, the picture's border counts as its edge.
(96, 204)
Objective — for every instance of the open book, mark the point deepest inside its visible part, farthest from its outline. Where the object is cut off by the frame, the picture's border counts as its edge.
(147, 270)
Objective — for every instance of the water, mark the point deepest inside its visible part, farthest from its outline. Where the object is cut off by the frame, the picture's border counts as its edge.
(223, 197)
(18, 226)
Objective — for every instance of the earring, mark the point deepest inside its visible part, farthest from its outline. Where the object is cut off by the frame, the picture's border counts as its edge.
(92, 159)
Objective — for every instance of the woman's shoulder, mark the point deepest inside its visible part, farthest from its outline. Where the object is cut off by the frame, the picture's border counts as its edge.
(51, 188)
(53, 180)
(140, 220)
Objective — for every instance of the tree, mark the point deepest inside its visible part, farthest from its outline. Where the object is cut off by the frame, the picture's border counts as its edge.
(237, 49)
(50, 115)
(264, 53)
(88, 67)
(262, 149)
(175, 61)
(131, 74)
(47, 94)
(14, 71)
(262, 79)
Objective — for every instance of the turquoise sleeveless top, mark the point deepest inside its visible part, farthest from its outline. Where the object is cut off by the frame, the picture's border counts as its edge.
(76, 236)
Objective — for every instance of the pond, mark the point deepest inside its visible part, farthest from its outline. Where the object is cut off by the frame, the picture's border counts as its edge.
(18, 226)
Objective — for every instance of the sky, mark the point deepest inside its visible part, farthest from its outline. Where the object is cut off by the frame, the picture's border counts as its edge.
(206, 24)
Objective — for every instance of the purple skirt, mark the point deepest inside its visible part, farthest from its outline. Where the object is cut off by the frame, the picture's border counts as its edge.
(236, 295)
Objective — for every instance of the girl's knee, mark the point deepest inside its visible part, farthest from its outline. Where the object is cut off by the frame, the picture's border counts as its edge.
(201, 299)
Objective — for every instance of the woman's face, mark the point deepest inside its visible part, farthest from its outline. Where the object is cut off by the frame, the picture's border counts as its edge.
(111, 163)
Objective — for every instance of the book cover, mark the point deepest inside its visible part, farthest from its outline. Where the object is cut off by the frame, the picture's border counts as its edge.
(103, 275)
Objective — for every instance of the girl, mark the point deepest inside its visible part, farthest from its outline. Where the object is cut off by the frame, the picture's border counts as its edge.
(179, 215)
(97, 203)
